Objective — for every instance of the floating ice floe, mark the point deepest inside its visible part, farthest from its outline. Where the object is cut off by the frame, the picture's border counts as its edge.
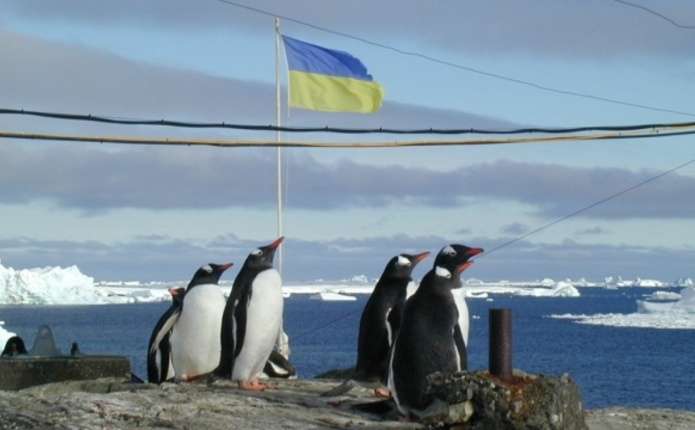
(545, 288)
(332, 297)
(678, 314)
(663, 296)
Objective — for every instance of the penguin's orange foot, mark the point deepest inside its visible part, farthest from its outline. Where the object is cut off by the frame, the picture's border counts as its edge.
(382, 392)
(253, 385)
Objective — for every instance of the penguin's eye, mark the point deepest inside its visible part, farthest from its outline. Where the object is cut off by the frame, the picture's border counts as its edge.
(207, 268)
(449, 250)
(257, 252)
(442, 272)
(402, 261)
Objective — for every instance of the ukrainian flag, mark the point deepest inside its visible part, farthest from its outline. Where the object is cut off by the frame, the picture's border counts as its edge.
(329, 80)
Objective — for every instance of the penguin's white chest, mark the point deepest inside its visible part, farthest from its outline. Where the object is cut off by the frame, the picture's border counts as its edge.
(195, 339)
(460, 300)
(263, 322)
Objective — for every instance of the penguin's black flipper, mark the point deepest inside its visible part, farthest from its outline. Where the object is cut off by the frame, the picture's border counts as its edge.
(461, 347)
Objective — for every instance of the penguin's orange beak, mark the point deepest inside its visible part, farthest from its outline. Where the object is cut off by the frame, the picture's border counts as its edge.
(474, 251)
(421, 256)
(276, 242)
(226, 266)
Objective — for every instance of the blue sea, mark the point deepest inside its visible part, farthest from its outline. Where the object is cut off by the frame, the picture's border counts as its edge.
(612, 365)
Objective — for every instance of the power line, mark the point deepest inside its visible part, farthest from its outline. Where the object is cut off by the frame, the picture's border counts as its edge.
(340, 130)
(655, 13)
(592, 205)
(457, 65)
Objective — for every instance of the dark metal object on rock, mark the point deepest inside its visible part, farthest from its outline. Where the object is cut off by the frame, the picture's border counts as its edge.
(501, 343)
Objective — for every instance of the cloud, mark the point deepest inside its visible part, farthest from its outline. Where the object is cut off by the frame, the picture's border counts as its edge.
(53, 76)
(177, 259)
(593, 231)
(515, 228)
(93, 180)
(589, 29)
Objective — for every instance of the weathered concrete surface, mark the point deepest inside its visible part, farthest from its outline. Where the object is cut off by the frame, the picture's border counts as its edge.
(112, 404)
(640, 419)
(27, 371)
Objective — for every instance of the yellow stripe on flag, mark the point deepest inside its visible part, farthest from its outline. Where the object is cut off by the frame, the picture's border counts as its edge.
(334, 94)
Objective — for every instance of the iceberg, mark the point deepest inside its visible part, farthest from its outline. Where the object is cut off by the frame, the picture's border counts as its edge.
(48, 286)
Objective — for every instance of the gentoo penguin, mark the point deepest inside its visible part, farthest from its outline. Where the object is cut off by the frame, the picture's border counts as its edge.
(195, 335)
(252, 319)
(429, 339)
(379, 324)
(381, 317)
(450, 257)
(159, 367)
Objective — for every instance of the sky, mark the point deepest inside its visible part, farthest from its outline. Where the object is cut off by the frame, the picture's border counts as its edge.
(157, 213)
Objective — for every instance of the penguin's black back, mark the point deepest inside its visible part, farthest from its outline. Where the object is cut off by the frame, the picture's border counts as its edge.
(234, 320)
(373, 342)
(425, 342)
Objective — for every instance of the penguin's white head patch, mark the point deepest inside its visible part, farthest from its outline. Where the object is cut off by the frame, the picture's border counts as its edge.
(448, 250)
(256, 252)
(442, 272)
(207, 268)
(402, 261)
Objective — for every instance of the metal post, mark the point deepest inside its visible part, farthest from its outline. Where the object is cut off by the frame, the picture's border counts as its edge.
(501, 343)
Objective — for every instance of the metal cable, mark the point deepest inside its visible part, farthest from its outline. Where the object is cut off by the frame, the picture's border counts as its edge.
(459, 66)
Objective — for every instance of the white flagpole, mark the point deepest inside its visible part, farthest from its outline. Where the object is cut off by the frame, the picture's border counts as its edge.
(278, 118)
(282, 343)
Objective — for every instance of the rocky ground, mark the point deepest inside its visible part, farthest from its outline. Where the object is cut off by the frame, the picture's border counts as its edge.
(291, 405)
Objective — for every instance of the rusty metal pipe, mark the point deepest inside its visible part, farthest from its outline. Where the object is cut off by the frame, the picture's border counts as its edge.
(501, 343)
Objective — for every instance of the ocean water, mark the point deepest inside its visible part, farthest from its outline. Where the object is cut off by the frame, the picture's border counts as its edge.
(612, 365)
